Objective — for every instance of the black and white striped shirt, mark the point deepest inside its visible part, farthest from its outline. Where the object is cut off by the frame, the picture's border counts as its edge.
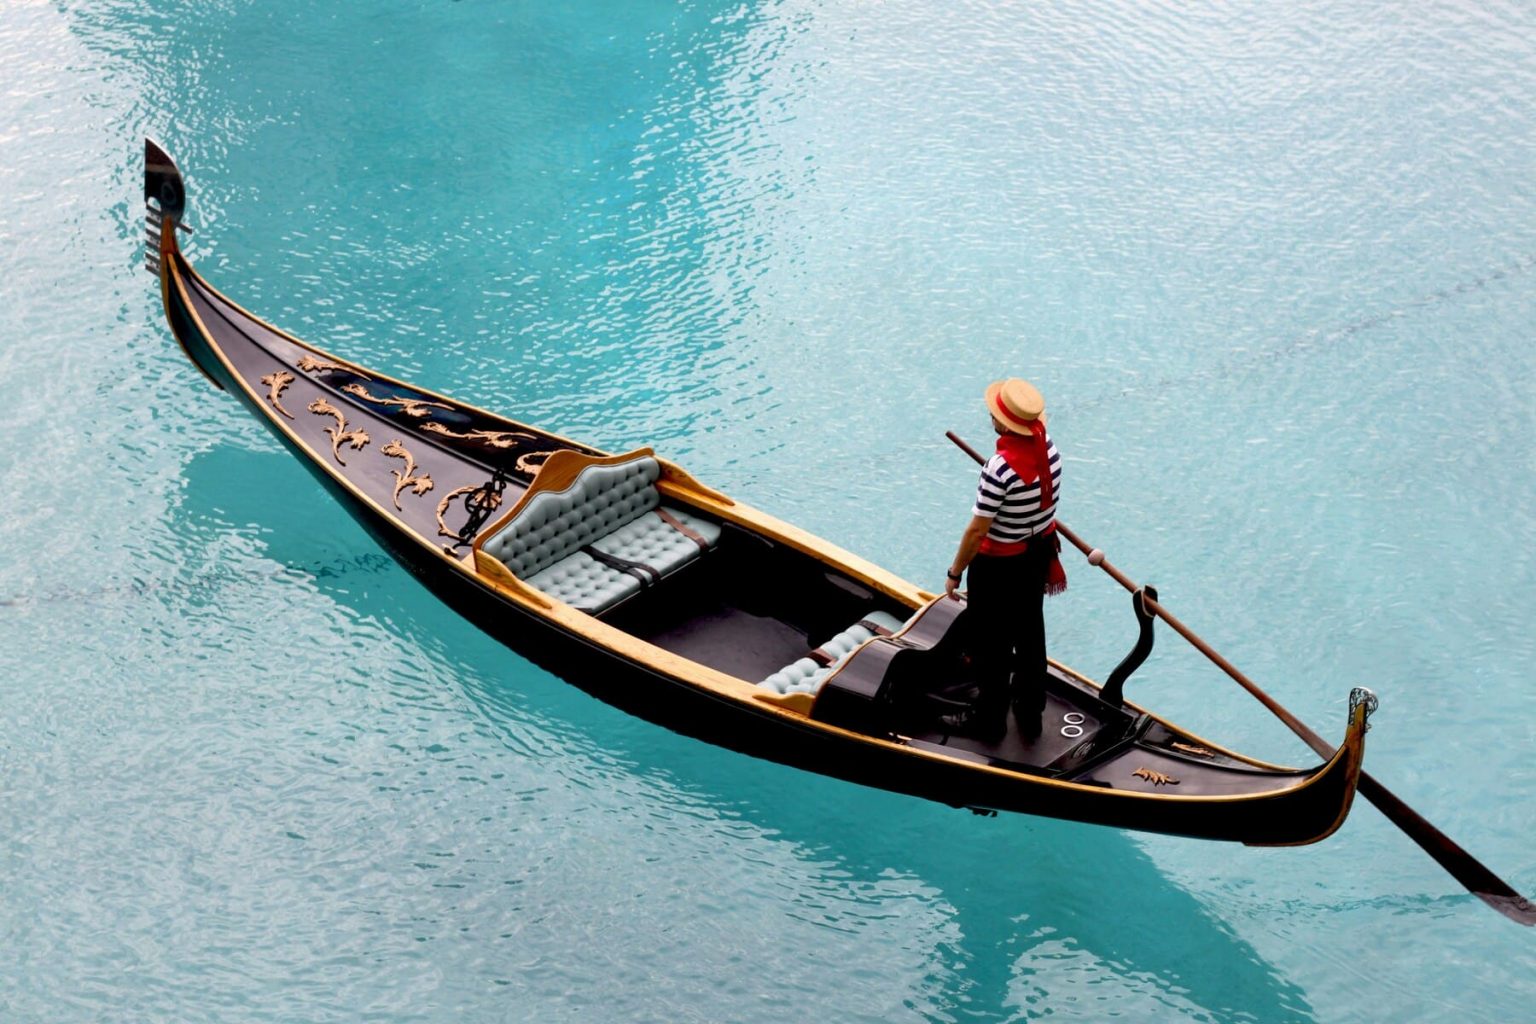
(1013, 505)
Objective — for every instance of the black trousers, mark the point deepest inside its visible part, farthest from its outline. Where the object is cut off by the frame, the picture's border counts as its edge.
(1005, 633)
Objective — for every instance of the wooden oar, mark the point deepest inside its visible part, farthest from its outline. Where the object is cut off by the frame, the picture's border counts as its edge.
(1465, 868)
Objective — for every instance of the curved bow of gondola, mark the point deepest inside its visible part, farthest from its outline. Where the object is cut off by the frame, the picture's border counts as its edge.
(165, 203)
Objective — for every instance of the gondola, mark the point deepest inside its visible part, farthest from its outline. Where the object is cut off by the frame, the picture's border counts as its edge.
(631, 579)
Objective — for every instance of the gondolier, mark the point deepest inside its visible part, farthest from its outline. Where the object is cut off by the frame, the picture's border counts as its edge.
(1009, 552)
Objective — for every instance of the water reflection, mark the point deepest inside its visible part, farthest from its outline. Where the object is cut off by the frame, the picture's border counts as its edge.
(1016, 916)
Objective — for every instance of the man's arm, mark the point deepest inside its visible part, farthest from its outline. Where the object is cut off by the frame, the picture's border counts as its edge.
(970, 543)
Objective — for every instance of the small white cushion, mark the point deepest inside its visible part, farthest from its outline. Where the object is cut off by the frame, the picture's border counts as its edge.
(806, 676)
(583, 582)
(652, 541)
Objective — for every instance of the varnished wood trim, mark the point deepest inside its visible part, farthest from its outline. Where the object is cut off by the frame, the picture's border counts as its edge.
(677, 480)
(489, 566)
(798, 702)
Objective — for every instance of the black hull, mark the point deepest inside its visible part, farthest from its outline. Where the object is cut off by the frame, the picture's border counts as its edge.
(241, 355)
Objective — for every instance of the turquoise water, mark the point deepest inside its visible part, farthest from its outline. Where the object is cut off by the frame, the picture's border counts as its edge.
(1273, 265)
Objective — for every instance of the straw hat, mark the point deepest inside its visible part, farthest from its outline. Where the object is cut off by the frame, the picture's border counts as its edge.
(1015, 403)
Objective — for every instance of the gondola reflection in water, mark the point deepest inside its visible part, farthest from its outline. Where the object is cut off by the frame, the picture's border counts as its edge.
(664, 597)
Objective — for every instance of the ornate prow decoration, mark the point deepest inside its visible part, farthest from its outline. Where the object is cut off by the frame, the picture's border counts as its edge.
(165, 202)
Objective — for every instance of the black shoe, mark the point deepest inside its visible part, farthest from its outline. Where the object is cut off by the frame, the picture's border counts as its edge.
(989, 726)
(1029, 721)
(1028, 710)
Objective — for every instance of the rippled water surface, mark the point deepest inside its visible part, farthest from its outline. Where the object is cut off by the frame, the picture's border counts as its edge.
(1274, 266)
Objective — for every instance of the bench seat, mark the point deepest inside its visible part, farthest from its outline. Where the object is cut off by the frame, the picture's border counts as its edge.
(805, 675)
(652, 541)
(602, 538)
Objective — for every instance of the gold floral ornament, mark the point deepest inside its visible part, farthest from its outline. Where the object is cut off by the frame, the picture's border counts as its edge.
(493, 438)
(529, 462)
(1191, 749)
(407, 477)
(1156, 778)
(277, 382)
(413, 407)
(340, 435)
(309, 364)
(490, 500)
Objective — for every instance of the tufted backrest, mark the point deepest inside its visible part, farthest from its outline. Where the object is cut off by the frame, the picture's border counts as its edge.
(554, 524)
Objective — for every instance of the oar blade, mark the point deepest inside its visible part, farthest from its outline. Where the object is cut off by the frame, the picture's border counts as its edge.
(1464, 867)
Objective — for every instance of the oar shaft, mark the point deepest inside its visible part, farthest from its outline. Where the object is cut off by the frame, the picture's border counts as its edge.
(1465, 868)
(1323, 748)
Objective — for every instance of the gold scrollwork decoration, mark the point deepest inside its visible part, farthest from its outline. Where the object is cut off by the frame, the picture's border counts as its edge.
(340, 435)
(529, 462)
(413, 407)
(491, 499)
(1190, 748)
(1156, 778)
(406, 477)
(493, 438)
(277, 382)
(309, 364)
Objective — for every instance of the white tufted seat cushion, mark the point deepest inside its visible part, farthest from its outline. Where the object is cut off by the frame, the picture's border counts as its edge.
(581, 581)
(805, 675)
(651, 540)
(610, 509)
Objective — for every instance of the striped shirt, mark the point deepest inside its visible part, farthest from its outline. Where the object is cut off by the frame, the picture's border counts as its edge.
(1012, 504)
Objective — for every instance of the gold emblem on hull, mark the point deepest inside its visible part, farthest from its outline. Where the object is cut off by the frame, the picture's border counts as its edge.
(527, 463)
(339, 434)
(277, 383)
(309, 364)
(491, 499)
(413, 407)
(493, 438)
(1156, 778)
(406, 477)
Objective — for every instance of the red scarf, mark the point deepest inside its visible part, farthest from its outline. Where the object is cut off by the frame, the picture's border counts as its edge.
(1029, 456)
